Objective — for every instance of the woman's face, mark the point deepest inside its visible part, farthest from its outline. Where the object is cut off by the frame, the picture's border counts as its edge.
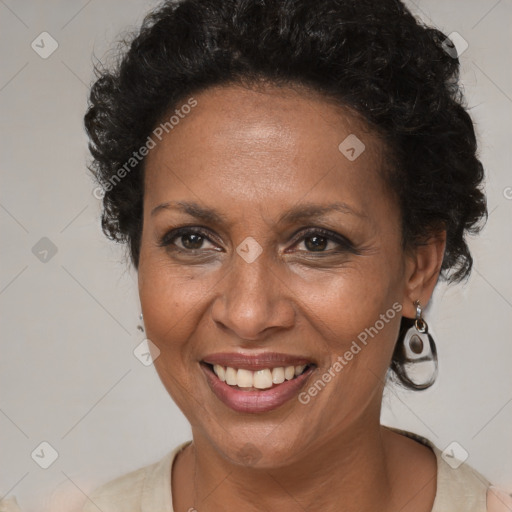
(258, 271)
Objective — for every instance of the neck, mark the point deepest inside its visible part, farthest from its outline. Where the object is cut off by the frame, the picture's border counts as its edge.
(349, 469)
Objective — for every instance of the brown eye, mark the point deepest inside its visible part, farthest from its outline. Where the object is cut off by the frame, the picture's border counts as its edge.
(323, 241)
(192, 241)
(316, 243)
(186, 239)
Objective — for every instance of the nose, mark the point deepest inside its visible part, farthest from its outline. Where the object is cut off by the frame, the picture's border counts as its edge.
(253, 301)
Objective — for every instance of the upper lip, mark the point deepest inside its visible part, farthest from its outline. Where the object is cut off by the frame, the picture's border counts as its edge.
(256, 361)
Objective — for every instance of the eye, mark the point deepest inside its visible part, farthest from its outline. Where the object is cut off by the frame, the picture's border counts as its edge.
(187, 239)
(323, 241)
(315, 240)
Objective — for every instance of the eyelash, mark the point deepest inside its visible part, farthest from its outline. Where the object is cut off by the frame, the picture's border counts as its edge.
(168, 239)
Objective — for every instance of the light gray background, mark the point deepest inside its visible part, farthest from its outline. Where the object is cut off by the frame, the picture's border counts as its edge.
(68, 374)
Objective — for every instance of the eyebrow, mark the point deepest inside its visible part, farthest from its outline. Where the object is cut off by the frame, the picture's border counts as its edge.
(193, 209)
(299, 213)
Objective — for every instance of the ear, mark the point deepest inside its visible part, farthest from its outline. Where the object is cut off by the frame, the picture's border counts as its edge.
(422, 268)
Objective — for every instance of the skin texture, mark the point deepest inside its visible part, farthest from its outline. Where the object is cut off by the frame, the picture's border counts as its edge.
(253, 154)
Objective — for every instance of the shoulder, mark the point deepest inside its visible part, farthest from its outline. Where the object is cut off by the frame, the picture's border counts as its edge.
(498, 500)
(123, 493)
(459, 485)
(146, 488)
(460, 488)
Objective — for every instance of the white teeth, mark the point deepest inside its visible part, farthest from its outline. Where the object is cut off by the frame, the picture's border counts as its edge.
(220, 371)
(289, 372)
(230, 376)
(278, 375)
(260, 379)
(244, 379)
(299, 369)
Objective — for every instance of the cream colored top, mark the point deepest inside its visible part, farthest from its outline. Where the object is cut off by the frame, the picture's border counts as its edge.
(148, 489)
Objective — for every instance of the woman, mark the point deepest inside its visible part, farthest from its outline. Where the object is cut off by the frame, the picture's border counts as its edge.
(292, 180)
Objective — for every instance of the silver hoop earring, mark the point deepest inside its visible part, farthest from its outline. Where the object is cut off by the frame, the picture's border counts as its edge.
(140, 327)
(418, 366)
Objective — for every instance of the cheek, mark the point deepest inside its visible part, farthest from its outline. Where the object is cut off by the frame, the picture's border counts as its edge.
(162, 283)
(349, 299)
(355, 317)
(171, 300)
(174, 299)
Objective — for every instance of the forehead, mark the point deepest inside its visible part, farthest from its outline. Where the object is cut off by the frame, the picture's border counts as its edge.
(268, 143)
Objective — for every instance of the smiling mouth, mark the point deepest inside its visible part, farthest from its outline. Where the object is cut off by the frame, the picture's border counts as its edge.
(258, 380)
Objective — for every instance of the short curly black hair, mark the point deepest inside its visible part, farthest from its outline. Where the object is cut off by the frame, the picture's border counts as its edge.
(373, 57)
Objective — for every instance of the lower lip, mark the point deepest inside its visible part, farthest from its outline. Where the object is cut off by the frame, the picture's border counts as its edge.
(255, 401)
